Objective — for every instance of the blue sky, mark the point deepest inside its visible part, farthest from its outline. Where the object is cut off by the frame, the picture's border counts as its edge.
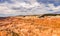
(28, 7)
(55, 2)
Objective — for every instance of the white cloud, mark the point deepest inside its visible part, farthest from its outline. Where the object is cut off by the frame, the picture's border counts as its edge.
(26, 8)
(55, 9)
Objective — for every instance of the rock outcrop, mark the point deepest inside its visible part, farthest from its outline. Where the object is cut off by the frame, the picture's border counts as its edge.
(30, 26)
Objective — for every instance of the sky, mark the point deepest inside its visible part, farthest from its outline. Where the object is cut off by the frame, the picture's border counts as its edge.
(28, 7)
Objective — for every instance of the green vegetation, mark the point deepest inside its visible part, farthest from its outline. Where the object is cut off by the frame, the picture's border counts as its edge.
(49, 15)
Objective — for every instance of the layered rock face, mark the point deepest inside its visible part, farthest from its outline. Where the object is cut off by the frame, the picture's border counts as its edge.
(30, 26)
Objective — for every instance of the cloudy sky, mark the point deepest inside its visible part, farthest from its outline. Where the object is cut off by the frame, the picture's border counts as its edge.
(28, 7)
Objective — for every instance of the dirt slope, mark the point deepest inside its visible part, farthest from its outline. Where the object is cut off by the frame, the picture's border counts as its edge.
(30, 26)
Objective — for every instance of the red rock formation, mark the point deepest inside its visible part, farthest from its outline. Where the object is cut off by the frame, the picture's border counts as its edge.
(30, 26)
